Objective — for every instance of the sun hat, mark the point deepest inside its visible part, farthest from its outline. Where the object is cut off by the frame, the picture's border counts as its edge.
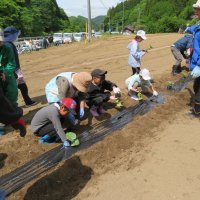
(82, 81)
(197, 4)
(145, 74)
(1, 35)
(141, 34)
(70, 104)
(11, 34)
(98, 73)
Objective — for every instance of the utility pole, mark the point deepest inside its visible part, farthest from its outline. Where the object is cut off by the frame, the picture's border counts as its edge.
(138, 18)
(89, 20)
(109, 25)
(123, 18)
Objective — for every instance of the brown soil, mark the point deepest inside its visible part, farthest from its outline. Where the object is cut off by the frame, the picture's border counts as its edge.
(108, 169)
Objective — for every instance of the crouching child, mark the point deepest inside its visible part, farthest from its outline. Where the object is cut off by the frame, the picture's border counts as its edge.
(49, 121)
(100, 92)
(140, 83)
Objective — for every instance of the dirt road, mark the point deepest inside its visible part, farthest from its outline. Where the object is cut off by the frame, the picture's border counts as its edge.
(148, 159)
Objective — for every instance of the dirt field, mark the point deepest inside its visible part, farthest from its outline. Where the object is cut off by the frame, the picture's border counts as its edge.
(155, 157)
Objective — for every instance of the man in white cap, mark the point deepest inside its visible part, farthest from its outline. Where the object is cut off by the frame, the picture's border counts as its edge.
(69, 84)
(140, 83)
(135, 54)
(195, 59)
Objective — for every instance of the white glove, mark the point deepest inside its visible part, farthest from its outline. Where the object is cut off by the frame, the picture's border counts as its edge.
(113, 98)
(116, 90)
(196, 72)
(155, 93)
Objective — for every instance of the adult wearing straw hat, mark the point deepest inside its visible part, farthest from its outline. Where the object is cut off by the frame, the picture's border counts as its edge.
(69, 84)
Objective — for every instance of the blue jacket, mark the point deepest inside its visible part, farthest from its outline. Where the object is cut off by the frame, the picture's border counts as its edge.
(195, 59)
(184, 43)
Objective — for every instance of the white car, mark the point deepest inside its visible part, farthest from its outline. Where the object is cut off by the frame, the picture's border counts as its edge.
(79, 36)
(68, 37)
(97, 35)
(58, 38)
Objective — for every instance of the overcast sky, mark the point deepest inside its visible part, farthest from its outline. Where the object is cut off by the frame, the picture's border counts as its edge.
(79, 7)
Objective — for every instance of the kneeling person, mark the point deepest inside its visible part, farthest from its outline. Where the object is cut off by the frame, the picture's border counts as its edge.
(140, 83)
(100, 92)
(47, 122)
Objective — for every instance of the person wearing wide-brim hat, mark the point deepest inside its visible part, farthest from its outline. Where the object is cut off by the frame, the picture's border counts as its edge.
(7, 67)
(195, 59)
(135, 54)
(69, 84)
(10, 36)
(9, 112)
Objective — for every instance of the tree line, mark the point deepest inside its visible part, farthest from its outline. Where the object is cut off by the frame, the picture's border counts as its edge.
(152, 15)
(36, 17)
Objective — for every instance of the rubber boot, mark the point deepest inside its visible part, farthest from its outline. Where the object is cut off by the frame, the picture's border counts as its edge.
(196, 108)
(21, 126)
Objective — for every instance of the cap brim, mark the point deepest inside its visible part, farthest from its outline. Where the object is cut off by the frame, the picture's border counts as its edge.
(99, 74)
(146, 78)
(144, 37)
(196, 6)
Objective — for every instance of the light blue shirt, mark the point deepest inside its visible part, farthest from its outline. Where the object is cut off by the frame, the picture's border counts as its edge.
(51, 88)
(135, 54)
(136, 79)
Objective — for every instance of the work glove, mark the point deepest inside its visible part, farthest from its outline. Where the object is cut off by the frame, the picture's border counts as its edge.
(113, 98)
(196, 72)
(66, 144)
(82, 112)
(117, 92)
(155, 93)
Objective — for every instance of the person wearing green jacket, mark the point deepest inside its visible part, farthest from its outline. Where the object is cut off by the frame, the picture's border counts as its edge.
(7, 67)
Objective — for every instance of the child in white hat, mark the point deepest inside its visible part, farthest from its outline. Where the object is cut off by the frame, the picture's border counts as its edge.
(135, 54)
(140, 83)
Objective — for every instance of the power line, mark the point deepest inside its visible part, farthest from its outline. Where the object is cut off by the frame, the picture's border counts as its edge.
(103, 5)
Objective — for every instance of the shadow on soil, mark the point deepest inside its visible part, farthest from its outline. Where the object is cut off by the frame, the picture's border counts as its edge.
(64, 183)
(3, 157)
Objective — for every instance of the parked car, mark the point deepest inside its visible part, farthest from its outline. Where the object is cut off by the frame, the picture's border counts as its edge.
(58, 38)
(68, 37)
(79, 36)
(115, 32)
(97, 35)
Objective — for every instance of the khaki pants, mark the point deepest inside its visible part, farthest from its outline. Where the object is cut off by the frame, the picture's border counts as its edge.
(177, 55)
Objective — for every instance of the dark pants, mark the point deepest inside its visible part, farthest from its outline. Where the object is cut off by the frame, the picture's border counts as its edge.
(24, 91)
(8, 113)
(49, 130)
(98, 99)
(135, 70)
(196, 88)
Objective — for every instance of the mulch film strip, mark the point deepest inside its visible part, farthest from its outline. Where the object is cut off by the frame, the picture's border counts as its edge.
(16, 179)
